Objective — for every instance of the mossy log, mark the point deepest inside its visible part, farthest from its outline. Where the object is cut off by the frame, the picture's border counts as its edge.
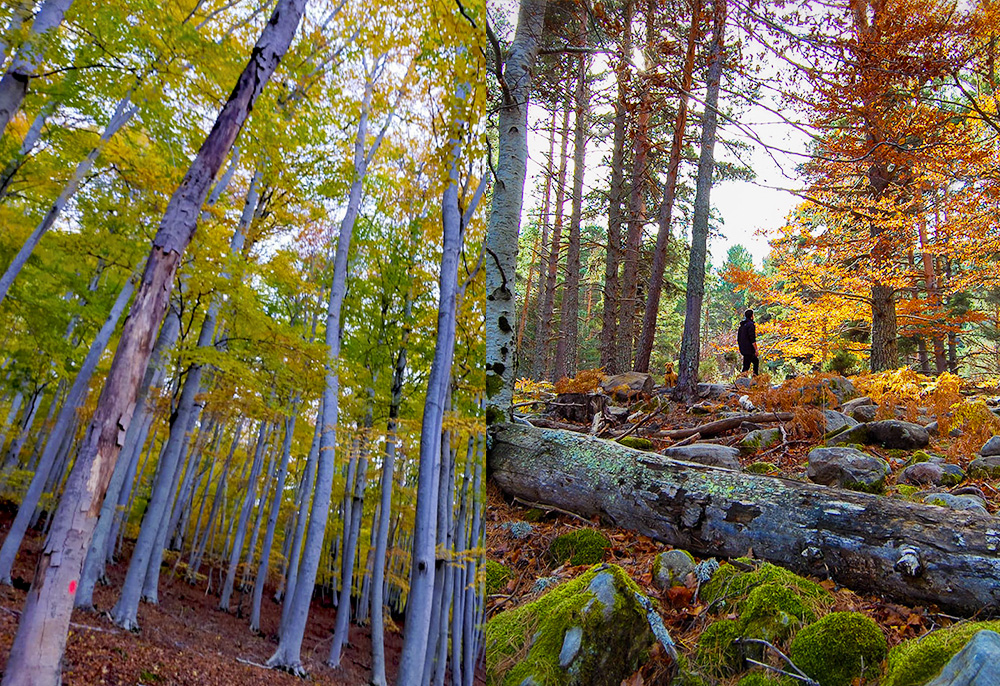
(908, 552)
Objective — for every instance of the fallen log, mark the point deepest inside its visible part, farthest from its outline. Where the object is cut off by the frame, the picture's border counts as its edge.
(728, 424)
(913, 553)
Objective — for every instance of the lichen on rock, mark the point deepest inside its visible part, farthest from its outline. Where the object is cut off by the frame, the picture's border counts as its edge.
(588, 631)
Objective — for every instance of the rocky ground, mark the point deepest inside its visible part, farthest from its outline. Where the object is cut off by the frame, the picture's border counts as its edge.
(901, 436)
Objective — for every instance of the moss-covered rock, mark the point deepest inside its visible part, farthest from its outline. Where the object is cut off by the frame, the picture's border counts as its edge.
(636, 442)
(759, 439)
(497, 576)
(773, 612)
(730, 586)
(535, 514)
(761, 468)
(717, 653)
(756, 679)
(580, 547)
(588, 631)
(839, 648)
(917, 661)
(671, 567)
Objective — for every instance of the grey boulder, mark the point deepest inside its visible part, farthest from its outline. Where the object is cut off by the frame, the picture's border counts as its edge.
(977, 664)
(932, 473)
(992, 447)
(895, 433)
(705, 453)
(847, 468)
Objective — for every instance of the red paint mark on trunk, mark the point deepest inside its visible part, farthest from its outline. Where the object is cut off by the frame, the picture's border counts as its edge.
(72, 587)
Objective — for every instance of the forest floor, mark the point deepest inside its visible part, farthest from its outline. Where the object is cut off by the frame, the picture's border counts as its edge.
(186, 640)
(527, 552)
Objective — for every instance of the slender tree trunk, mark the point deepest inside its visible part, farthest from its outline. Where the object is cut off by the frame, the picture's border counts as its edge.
(66, 419)
(27, 422)
(420, 602)
(38, 647)
(241, 526)
(505, 214)
(14, 84)
(198, 552)
(474, 592)
(544, 219)
(664, 217)
(287, 655)
(272, 518)
(612, 260)
(690, 356)
(352, 531)
(543, 341)
(566, 348)
(31, 138)
(123, 113)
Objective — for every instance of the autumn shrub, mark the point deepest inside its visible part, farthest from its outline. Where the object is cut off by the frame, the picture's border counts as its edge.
(977, 423)
(526, 390)
(906, 390)
(587, 381)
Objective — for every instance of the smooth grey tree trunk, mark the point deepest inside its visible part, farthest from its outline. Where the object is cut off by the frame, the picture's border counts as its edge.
(40, 642)
(14, 84)
(287, 655)
(505, 215)
(352, 531)
(123, 113)
(419, 607)
(15, 407)
(474, 592)
(385, 506)
(27, 422)
(66, 419)
(198, 550)
(690, 354)
(241, 526)
(272, 518)
(300, 517)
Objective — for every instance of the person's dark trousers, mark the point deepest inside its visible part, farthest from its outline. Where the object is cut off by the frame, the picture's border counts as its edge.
(751, 360)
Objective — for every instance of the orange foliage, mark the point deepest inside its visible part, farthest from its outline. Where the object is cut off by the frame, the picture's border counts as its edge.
(586, 381)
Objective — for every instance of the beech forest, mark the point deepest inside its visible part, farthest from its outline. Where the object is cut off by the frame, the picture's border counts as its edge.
(499, 342)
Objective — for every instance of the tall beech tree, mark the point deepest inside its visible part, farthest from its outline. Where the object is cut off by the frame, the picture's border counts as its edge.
(38, 647)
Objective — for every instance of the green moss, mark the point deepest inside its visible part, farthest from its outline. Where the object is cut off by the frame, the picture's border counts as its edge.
(729, 586)
(773, 612)
(527, 640)
(580, 547)
(876, 487)
(717, 653)
(497, 576)
(756, 679)
(918, 457)
(636, 442)
(535, 514)
(917, 661)
(907, 491)
(761, 468)
(839, 648)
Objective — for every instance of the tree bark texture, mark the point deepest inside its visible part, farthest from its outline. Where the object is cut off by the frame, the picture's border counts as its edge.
(38, 647)
(505, 215)
(855, 538)
(543, 339)
(884, 353)
(645, 348)
(690, 354)
(569, 322)
(612, 259)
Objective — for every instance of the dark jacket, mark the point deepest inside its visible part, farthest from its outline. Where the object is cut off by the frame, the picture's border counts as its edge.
(746, 337)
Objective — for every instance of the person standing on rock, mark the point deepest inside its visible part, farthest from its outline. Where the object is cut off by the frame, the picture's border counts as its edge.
(746, 339)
